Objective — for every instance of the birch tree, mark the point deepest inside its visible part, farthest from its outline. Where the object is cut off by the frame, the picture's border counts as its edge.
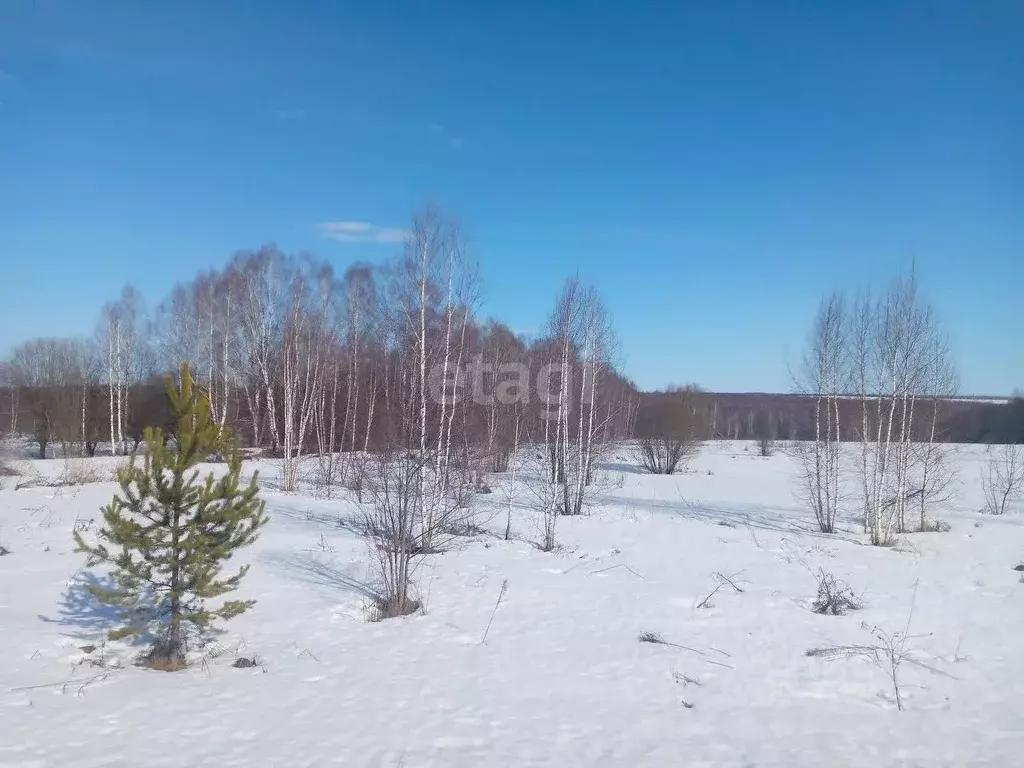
(902, 370)
(123, 326)
(261, 281)
(822, 378)
(1002, 479)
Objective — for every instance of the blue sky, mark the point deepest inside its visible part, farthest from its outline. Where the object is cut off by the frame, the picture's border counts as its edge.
(712, 167)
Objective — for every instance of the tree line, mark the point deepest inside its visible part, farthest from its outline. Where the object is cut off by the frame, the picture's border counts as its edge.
(790, 416)
(297, 359)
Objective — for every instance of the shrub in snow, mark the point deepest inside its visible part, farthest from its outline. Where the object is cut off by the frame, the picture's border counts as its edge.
(935, 526)
(835, 597)
(651, 637)
(667, 426)
(7, 473)
(394, 525)
(167, 534)
(78, 472)
(1002, 481)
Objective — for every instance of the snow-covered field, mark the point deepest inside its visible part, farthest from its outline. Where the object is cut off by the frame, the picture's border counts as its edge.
(562, 679)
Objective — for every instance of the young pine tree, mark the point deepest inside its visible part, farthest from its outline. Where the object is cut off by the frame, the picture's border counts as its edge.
(168, 533)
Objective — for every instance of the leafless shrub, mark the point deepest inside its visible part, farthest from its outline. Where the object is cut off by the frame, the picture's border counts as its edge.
(78, 472)
(28, 479)
(325, 474)
(932, 476)
(356, 474)
(462, 485)
(835, 598)
(480, 485)
(544, 494)
(890, 651)
(935, 526)
(392, 509)
(667, 427)
(1002, 480)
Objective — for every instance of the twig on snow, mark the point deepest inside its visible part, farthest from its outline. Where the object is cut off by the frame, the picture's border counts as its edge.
(612, 567)
(704, 603)
(729, 580)
(655, 638)
(501, 594)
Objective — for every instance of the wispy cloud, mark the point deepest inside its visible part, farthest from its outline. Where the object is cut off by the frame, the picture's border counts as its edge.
(360, 232)
(5, 76)
(443, 134)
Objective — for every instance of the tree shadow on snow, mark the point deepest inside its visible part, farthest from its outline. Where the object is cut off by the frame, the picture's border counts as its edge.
(759, 516)
(84, 616)
(344, 519)
(317, 570)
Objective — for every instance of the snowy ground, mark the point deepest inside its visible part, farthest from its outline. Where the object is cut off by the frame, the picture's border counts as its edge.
(562, 679)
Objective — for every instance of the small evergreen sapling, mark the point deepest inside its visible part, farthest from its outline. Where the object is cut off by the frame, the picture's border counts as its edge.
(167, 534)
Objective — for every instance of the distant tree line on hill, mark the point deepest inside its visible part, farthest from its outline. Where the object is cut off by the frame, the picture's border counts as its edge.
(751, 416)
(66, 413)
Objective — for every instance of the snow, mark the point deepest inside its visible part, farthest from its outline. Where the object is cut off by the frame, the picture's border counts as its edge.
(562, 679)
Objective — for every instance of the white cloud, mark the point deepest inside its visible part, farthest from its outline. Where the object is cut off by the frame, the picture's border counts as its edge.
(360, 232)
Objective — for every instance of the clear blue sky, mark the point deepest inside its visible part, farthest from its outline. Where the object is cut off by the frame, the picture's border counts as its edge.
(713, 167)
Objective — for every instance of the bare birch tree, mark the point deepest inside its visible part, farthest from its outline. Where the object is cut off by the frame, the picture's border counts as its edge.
(1002, 479)
(902, 370)
(822, 377)
(933, 466)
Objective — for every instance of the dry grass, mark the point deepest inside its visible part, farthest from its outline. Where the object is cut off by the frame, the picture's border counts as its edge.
(382, 608)
(80, 472)
(835, 598)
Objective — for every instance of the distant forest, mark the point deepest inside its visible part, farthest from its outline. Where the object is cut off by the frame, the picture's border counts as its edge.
(753, 415)
(720, 415)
